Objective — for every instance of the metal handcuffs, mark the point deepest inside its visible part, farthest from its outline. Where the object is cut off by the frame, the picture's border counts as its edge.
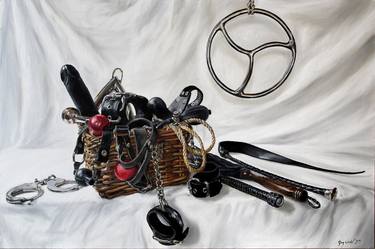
(53, 183)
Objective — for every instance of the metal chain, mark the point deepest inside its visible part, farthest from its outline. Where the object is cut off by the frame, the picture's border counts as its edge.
(251, 7)
(156, 151)
(45, 180)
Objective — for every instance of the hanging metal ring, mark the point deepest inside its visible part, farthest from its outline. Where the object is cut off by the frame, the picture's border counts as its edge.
(240, 91)
(117, 73)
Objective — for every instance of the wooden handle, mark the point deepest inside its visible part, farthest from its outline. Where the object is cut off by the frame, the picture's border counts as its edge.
(276, 185)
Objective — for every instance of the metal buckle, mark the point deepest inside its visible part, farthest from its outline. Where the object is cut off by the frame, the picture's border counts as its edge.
(11, 195)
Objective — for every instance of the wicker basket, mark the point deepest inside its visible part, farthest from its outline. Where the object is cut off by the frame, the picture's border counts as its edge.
(172, 167)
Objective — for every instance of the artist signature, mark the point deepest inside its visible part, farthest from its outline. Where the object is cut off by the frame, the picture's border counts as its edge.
(349, 242)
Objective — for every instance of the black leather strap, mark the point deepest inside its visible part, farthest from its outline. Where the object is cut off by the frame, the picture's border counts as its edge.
(167, 225)
(227, 147)
(145, 149)
(182, 101)
(199, 111)
(105, 145)
(79, 149)
(113, 107)
(206, 183)
(123, 143)
(145, 134)
(226, 167)
(139, 180)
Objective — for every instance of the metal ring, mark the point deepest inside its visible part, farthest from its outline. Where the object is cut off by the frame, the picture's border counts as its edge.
(120, 72)
(56, 185)
(11, 195)
(314, 203)
(240, 91)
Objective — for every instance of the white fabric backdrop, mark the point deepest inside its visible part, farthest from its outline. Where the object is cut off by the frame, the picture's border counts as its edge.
(323, 115)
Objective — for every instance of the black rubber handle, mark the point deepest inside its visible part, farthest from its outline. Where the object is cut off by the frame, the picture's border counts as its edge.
(78, 91)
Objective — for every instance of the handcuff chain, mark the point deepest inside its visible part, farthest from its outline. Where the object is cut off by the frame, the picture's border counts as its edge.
(45, 180)
(156, 150)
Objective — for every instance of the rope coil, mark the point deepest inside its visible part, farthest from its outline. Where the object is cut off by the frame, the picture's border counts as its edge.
(178, 129)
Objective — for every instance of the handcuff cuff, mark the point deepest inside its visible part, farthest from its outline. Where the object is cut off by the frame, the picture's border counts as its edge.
(165, 222)
(53, 183)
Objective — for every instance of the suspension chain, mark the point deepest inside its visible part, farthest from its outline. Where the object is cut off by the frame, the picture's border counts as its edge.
(251, 7)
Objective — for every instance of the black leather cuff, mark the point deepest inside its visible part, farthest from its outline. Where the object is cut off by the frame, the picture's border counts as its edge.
(206, 183)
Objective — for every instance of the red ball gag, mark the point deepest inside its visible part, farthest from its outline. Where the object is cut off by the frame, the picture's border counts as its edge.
(97, 123)
(125, 174)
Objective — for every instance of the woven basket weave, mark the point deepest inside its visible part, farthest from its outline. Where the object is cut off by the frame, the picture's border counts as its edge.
(172, 167)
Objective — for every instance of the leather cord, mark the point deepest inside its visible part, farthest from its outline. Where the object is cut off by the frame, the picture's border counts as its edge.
(227, 147)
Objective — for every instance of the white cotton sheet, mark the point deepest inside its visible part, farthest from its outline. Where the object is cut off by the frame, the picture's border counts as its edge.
(323, 115)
